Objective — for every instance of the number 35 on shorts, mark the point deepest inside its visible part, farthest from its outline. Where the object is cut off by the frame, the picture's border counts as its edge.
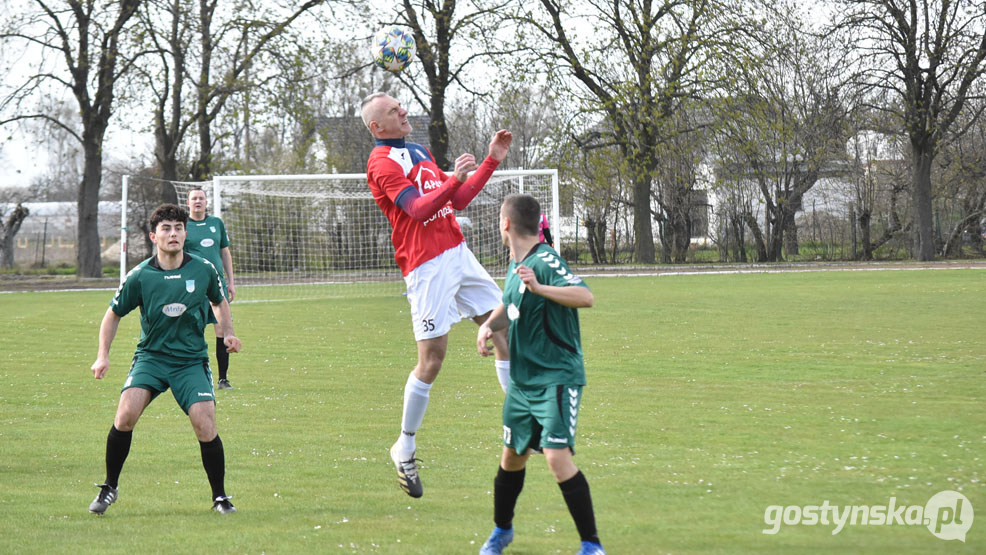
(428, 324)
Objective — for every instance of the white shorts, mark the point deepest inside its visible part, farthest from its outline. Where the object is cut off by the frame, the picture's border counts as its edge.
(448, 288)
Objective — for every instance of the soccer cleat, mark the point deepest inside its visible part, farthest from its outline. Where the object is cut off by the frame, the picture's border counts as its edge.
(497, 541)
(106, 497)
(407, 473)
(224, 384)
(591, 548)
(223, 505)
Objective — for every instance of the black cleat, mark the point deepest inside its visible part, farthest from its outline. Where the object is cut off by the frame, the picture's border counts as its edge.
(107, 495)
(407, 473)
(223, 505)
(224, 384)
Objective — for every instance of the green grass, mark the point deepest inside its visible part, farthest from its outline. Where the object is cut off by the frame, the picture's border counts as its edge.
(710, 398)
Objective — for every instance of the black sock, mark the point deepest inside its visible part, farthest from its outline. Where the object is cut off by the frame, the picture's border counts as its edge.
(576, 493)
(214, 461)
(117, 449)
(506, 489)
(222, 357)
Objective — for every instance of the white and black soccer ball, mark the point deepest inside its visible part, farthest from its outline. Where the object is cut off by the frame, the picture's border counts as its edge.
(393, 49)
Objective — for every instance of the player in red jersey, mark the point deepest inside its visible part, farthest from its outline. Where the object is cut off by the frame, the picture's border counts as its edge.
(445, 282)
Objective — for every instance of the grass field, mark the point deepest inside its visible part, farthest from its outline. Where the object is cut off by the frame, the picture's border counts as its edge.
(710, 398)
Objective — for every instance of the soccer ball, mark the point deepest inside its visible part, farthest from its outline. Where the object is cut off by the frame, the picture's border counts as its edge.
(393, 49)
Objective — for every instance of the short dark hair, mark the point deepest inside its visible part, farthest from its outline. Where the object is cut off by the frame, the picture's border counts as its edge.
(168, 212)
(193, 189)
(524, 212)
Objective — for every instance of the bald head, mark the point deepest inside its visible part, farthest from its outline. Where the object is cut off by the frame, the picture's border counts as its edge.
(384, 117)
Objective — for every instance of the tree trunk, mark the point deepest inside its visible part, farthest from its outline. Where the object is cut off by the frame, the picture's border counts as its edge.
(791, 246)
(438, 132)
(864, 219)
(87, 251)
(739, 238)
(643, 233)
(203, 166)
(680, 236)
(8, 230)
(775, 238)
(923, 214)
(758, 240)
(168, 167)
(590, 239)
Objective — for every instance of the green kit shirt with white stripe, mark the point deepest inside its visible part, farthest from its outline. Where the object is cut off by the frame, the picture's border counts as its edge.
(207, 238)
(174, 305)
(545, 342)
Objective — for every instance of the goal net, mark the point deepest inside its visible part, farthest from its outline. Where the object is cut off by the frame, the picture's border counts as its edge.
(318, 236)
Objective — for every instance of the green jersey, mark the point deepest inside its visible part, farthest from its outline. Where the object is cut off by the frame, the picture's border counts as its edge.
(545, 343)
(207, 238)
(174, 305)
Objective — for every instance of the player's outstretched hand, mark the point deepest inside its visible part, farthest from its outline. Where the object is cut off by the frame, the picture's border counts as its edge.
(463, 165)
(500, 144)
(100, 367)
(528, 277)
(483, 340)
(233, 344)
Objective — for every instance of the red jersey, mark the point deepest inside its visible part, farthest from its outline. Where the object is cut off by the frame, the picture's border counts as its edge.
(395, 165)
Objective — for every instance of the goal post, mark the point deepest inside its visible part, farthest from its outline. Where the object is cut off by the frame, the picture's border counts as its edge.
(319, 236)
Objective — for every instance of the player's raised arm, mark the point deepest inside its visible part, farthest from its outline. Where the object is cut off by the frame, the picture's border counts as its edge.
(499, 146)
(107, 331)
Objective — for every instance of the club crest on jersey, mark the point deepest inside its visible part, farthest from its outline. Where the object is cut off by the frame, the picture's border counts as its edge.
(174, 310)
(190, 285)
(208, 242)
(212, 228)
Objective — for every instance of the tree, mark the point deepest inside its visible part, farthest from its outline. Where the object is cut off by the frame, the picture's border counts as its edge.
(60, 178)
(877, 179)
(232, 46)
(10, 224)
(169, 33)
(961, 175)
(787, 126)
(642, 60)
(928, 54)
(86, 36)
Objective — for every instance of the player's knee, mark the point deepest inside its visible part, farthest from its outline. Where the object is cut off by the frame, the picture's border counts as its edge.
(203, 418)
(561, 464)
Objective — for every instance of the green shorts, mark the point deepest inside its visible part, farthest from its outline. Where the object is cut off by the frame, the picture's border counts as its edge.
(190, 380)
(541, 418)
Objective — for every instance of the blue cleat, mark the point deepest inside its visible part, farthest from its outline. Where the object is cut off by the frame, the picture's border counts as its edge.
(497, 541)
(590, 548)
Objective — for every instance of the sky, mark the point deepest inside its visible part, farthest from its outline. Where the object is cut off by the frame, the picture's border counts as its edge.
(19, 163)
(23, 157)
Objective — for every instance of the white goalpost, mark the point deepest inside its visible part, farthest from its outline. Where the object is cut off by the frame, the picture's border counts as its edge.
(318, 236)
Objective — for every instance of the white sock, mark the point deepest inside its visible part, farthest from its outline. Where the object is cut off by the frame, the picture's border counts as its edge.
(415, 405)
(503, 373)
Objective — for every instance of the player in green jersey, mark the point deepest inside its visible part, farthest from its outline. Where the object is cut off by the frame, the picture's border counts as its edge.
(540, 298)
(207, 238)
(173, 290)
